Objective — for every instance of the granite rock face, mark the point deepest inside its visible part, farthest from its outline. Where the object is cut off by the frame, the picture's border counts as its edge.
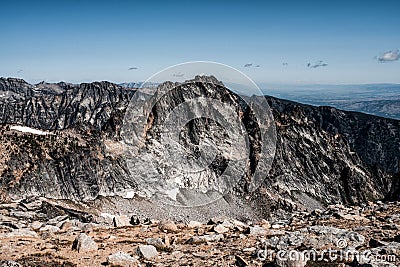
(61, 106)
(74, 160)
(323, 155)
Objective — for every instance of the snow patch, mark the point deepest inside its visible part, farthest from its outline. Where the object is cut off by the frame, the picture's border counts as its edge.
(129, 194)
(25, 129)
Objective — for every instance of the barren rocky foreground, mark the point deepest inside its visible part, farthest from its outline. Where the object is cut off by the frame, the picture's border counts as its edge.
(29, 237)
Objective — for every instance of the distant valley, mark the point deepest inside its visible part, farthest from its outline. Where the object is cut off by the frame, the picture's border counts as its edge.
(376, 99)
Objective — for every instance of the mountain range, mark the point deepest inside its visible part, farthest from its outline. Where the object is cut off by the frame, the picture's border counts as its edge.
(323, 155)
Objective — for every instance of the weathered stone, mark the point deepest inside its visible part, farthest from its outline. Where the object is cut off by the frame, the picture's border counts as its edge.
(194, 224)
(167, 240)
(49, 228)
(66, 226)
(316, 212)
(220, 229)
(256, 230)
(83, 243)
(205, 239)
(147, 221)
(147, 251)
(277, 226)
(36, 225)
(56, 220)
(265, 224)
(122, 259)
(121, 221)
(168, 227)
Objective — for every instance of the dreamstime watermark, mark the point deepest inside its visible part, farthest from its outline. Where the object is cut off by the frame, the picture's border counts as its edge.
(342, 254)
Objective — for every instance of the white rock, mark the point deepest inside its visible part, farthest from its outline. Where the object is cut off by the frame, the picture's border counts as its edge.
(277, 226)
(36, 225)
(49, 228)
(84, 243)
(194, 224)
(220, 229)
(121, 221)
(122, 259)
(168, 226)
(205, 239)
(147, 251)
(257, 230)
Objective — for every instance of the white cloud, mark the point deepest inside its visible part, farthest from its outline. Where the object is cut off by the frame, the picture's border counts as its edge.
(389, 56)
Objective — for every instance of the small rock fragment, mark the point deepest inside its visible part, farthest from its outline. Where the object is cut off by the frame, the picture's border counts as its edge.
(277, 226)
(167, 241)
(36, 225)
(238, 223)
(66, 226)
(121, 221)
(194, 224)
(168, 226)
(147, 251)
(265, 224)
(205, 239)
(256, 230)
(122, 259)
(220, 229)
(84, 243)
(316, 212)
(50, 228)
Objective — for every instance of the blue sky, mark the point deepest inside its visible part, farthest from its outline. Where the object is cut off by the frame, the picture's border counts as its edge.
(79, 41)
